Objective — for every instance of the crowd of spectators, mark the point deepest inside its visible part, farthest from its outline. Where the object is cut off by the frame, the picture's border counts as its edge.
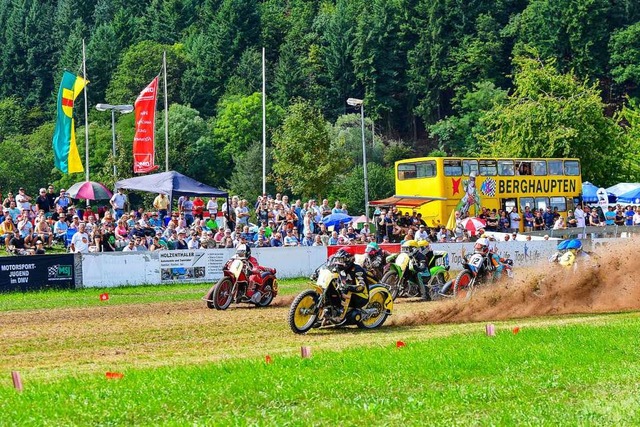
(33, 224)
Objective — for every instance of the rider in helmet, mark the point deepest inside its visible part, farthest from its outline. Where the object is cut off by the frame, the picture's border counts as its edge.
(356, 286)
(573, 249)
(482, 246)
(418, 259)
(375, 260)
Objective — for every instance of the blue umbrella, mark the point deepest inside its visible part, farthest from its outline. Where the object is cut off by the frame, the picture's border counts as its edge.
(632, 196)
(335, 219)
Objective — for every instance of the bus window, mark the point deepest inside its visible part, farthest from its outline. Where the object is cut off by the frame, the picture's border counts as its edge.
(539, 167)
(416, 170)
(542, 203)
(560, 203)
(469, 166)
(526, 202)
(505, 167)
(488, 167)
(571, 168)
(555, 167)
(523, 168)
(452, 167)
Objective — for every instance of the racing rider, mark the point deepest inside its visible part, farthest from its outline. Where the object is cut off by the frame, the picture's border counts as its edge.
(356, 286)
(375, 260)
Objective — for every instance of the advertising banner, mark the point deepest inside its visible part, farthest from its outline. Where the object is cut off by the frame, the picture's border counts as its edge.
(144, 139)
(36, 272)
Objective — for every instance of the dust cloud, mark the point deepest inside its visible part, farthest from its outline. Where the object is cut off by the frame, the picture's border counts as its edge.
(610, 284)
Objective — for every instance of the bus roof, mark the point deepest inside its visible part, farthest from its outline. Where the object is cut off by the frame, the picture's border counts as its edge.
(405, 201)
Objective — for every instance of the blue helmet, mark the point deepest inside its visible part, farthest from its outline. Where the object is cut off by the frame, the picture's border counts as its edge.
(574, 244)
(563, 245)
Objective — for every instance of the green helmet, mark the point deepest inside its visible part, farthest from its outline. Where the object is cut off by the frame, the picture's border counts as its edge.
(372, 248)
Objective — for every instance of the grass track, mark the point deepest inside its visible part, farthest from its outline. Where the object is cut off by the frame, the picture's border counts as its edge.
(185, 364)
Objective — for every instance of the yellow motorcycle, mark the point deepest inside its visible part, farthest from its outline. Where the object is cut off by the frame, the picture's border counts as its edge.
(323, 306)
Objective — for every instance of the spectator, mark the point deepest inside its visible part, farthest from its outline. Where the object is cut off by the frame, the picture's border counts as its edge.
(182, 242)
(43, 231)
(548, 218)
(7, 201)
(528, 219)
(610, 216)
(22, 200)
(290, 239)
(130, 247)
(317, 241)
(629, 216)
(212, 207)
(7, 229)
(636, 217)
(276, 240)
(42, 201)
(161, 204)
(559, 224)
(39, 248)
(580, 217)
(571, 222)
(504, 224)
(80, 240)
(51, 195)
(119, 203)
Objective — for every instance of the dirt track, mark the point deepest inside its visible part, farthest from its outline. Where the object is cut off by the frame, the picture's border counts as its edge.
(48, 342)
(611, 286)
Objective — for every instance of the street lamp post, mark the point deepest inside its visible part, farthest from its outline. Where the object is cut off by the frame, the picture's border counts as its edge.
(354, 102)
(122, 109)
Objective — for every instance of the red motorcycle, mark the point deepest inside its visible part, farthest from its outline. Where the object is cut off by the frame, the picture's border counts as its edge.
(244, 281)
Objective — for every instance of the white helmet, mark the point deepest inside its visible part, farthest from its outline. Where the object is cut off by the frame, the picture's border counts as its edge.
(482, 245)
(241, 251)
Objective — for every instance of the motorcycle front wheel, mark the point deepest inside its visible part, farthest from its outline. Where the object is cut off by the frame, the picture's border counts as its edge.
(463, 285)
(392, 281)
(222, 294)
(376, 301)
(304, 311)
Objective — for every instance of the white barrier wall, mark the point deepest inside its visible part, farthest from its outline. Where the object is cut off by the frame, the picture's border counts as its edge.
(189, 266)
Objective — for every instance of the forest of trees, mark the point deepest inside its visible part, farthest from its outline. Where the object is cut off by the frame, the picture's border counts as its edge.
(442, 77)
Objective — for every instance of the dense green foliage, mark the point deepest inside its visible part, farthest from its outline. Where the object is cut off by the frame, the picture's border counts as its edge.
(435, 75)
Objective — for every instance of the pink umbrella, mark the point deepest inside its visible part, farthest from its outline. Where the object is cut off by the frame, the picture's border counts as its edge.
(89, 190)
(473, 224)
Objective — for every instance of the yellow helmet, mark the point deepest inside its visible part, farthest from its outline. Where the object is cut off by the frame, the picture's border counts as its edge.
(409, 246)
(423, 243)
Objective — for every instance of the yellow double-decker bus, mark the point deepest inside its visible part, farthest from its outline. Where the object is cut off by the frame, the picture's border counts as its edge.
(468, 184)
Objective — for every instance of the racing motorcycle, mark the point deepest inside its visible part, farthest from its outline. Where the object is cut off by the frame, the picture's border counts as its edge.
(322, 306)
(403, 282)
(240, 284)
(478, 269)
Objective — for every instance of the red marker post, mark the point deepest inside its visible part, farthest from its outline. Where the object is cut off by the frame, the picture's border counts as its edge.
(305, 352)
(104, 297)
(17, 381)
(400, 344)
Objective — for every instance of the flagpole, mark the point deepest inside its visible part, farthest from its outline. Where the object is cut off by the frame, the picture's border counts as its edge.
(264, 127)
(166, 114)
(86, 115)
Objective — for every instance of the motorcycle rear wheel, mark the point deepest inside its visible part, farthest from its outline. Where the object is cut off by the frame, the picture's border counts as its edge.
(392, 282)
(222, 294)
(463, 285)
(304, 312)
(376, 300)
(267, 297)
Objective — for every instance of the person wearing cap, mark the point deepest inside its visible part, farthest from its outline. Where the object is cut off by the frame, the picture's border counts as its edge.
(290, 239)
(39, 248)
(62, 201)
(42, 201)
(422, 234)
(161, 204)
(60, 228)
(181, 243)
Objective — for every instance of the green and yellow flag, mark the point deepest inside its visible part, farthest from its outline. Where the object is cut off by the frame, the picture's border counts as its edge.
(65, 149)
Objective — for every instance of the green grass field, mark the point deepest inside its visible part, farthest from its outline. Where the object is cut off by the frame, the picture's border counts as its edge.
(574, 370)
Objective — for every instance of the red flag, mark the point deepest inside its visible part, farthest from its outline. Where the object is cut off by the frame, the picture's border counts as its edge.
(400, 344)
(104, 297)
(114, 375)
(144, 139)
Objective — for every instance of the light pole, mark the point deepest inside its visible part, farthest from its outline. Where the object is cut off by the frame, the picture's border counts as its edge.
(122, 109)
(354, 102)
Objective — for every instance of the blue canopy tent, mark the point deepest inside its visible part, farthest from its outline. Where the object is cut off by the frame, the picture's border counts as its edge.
(589, 193)
(171, 183)
(623, 187)
(632, 197)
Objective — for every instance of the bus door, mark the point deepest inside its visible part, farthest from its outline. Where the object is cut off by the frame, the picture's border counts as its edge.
(508, 204)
